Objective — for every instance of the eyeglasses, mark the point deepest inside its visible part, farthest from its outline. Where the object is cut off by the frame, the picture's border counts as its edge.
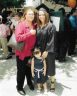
(41, 14)
(30, 14)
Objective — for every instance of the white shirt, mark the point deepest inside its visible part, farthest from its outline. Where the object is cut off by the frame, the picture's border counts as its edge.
(4, 30)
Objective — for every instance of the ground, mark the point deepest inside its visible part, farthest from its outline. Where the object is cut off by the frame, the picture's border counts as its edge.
(66, 79)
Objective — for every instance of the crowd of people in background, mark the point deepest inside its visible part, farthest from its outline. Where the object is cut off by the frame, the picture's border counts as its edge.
(67, 36)
(65, 42)
(41, 38)
(8, 23)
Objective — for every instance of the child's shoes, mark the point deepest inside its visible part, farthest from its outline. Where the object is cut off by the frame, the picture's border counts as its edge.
(45, 91)
(38, 90)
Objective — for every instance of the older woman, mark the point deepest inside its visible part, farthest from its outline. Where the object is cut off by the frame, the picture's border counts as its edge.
(25, 32)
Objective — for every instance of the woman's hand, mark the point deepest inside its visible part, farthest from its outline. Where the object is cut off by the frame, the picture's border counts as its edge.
(33, 32)
(44, 73)
(44, 55)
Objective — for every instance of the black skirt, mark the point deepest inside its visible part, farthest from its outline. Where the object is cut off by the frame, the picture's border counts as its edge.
(50, 64)
(42, 79)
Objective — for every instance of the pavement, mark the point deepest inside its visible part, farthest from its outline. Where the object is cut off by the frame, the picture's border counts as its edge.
(66, 79)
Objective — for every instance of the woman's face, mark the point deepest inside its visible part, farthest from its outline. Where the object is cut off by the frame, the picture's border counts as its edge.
(29, 15)
(41, 16)
(17, 18)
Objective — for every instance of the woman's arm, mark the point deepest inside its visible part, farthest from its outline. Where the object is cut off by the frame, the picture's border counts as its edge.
(51, 38)
(21, 35)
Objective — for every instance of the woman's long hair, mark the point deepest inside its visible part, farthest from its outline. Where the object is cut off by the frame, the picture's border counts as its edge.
(39, 23)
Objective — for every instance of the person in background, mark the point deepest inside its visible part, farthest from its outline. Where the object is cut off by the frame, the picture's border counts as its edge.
(0, 23)
(25, 32)
(38, 70)
(73, 32)
(4, 32)
(62, 37)
(15, 20)
(0, 19)
(46, 42)
(12, 23)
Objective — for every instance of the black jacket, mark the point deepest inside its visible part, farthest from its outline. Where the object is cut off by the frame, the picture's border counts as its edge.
(46, 37)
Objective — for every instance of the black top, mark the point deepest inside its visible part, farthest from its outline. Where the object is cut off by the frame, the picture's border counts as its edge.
(38, 63)
(45, 37)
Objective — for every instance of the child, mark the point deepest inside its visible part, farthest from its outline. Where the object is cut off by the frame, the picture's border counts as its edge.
(38, 69)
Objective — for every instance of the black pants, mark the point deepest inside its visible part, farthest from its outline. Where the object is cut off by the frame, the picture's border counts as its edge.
(9, 48)
(72, 42)
(23, 70)
(61, 45)
(50, 64)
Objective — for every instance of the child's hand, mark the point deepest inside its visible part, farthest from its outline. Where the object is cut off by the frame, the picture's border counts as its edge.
(32, 74)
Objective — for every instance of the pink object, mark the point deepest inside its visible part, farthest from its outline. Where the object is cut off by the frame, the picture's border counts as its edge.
(22, 33)
(4, 30)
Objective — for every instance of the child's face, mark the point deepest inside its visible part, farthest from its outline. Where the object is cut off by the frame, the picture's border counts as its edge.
(39, 54)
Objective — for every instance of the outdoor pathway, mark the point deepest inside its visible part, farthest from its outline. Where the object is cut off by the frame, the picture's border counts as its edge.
(66, 79)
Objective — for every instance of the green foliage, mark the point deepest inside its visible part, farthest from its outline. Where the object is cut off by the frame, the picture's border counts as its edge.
(11, 3)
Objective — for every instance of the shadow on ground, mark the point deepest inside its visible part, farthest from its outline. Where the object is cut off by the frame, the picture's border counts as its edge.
(68, 66)
(7, 68)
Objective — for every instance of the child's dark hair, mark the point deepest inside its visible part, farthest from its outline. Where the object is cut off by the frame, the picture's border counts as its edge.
(36, 51)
